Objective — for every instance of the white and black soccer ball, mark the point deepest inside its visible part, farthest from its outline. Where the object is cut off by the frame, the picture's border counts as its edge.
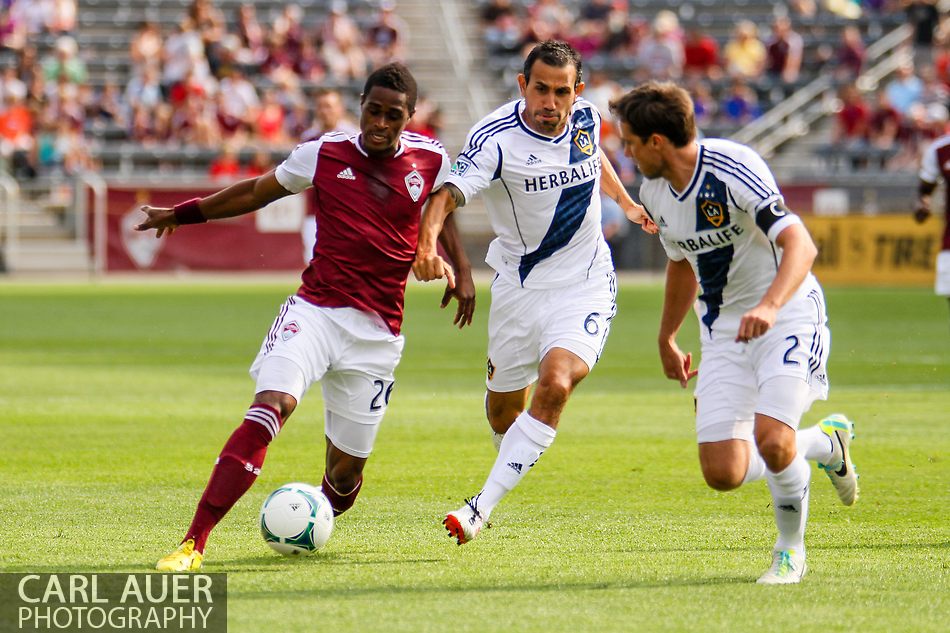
(296, 519)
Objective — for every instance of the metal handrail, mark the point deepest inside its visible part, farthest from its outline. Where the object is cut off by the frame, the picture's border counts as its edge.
(460, 56)
(11, 213)
(793, 116)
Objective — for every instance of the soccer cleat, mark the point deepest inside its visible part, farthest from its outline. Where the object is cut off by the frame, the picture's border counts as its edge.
(788, 567)
(185, 558)
(840, 469)
(465, 523)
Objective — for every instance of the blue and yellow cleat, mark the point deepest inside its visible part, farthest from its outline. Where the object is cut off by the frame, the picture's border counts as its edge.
(840, 469)
(185, 558)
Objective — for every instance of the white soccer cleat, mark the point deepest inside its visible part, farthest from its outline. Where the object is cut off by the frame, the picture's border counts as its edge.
(840, 469)
(465, 523)
(788, 567)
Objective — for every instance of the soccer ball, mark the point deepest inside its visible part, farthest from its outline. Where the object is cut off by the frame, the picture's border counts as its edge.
(296, 519)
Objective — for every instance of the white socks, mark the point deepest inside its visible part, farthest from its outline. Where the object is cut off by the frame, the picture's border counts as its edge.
(789, 490)
(814, 445)
(756, 469)
(520, 448)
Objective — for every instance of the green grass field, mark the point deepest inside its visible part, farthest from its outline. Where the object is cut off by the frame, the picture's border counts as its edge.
(115, 399)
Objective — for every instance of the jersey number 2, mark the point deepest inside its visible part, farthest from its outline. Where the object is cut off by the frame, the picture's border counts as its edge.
(791, 348)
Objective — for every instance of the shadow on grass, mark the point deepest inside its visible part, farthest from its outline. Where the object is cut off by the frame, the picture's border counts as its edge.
(758, 548)
(279, 564)
(527, 587)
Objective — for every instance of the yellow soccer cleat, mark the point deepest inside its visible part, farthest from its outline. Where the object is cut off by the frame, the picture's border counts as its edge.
(185, 558)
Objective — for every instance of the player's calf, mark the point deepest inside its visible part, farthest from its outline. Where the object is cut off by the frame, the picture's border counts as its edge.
(340, 501)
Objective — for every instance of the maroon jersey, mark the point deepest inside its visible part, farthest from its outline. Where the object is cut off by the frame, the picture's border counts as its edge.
(368, 212)
(936, 164)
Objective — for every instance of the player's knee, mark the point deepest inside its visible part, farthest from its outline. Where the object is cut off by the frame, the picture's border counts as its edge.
(723, 479)
(553, 391)
(776, 453)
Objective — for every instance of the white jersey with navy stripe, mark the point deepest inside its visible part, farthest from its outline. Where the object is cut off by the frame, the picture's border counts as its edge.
(542, 194)
(725, 224)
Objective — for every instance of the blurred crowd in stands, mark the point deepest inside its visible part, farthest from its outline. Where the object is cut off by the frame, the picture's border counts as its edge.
(735, 78)
(245, 80)
(210, 82)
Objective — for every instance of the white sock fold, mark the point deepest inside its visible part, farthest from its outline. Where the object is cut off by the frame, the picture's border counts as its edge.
(789, 490)
(814, 445)
(520, 449)
(756, 469)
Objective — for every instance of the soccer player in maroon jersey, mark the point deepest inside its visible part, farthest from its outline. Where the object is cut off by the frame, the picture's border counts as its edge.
(342, 326)
(934, 165)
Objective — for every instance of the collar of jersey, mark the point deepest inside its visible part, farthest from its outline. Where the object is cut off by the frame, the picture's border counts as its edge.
(358, 144)
(519, 107)
(692, 183)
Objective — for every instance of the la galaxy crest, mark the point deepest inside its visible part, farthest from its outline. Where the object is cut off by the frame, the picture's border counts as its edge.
(584, 142)
(712, 207)
(714, 212)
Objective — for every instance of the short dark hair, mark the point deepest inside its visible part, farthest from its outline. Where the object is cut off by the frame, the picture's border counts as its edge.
(554, 53)
(394, 76)
(658, 108)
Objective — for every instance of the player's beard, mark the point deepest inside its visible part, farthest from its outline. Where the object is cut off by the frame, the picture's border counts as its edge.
(548, 126)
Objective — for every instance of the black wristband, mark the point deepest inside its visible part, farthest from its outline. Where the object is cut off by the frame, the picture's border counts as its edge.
(189, 212)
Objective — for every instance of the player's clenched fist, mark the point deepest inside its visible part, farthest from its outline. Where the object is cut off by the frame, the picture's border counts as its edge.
(429, 267)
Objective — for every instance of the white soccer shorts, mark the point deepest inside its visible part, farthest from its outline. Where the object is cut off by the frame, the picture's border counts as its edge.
(351, 353)
(524, 325)
(779, 375)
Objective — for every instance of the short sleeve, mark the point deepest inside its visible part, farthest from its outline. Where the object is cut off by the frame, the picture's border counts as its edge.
(752, 184)
(443, 171)
(753, 190)
(297, 171)
(477, 165)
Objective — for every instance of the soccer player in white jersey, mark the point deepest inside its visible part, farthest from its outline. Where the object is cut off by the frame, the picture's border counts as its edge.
(538, 162)
(765, 341)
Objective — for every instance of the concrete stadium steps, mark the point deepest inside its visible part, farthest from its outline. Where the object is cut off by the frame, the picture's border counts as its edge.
(50, 255)
(429, 59)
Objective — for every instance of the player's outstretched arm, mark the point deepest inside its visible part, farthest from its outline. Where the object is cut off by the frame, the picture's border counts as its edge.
(428, 264)
(798, 255)
(464, 290)
(613, 188)
(680, 294)
(242, 197)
